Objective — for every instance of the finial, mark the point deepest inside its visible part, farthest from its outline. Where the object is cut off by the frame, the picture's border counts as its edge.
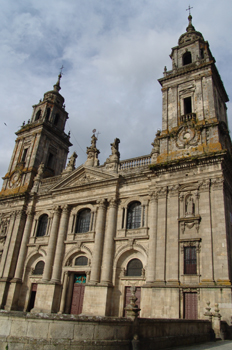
(190, 27)
(189, 9)
(57, 85)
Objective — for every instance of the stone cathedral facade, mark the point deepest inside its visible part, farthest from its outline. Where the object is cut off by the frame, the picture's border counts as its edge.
(73, 240)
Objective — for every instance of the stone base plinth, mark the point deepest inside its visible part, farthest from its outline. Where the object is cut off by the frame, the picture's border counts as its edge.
(47, 298)
(97, 300)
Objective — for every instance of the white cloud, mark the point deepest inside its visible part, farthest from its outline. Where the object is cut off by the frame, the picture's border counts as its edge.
(113, 53)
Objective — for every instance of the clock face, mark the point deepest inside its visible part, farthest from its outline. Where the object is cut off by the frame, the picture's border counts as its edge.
(187, 136)
(15, 179)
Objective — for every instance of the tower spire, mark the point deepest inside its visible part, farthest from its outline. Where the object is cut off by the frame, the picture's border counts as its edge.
(57, 85)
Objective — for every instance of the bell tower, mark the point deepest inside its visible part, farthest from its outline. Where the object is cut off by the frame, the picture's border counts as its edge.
(41, 140)
(194, 112)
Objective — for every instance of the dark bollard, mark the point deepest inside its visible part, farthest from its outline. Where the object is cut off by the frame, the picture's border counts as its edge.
(135, 342)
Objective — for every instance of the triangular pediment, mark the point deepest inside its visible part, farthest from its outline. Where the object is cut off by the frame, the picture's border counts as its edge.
(83, 176)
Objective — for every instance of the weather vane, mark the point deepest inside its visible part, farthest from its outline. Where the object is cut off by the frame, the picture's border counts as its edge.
(189, 9)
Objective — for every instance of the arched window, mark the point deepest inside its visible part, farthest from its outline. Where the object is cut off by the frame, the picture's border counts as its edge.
(187, 58)
(38, 114)
(134, 268)
(56, 120)
(83, 221)
(81, 261)
(134, 215)
(39, 267)
(48, 113)
(42, 225)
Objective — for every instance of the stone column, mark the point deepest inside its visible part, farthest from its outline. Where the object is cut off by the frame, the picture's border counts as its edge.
(172, 241)
(15, 240)
(152, 239)
(60, 244)
(51, 245)
(108, 253)
(63, 297)
(125, 218)
(161, 236)
(23, 248)
(7, 242)
(98, 246)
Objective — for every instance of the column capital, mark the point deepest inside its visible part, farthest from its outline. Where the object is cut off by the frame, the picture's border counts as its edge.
(162, 191)
(173, 190)
(30, 212)
(102, 203)
(113, 202)
(56, 209)
(65, 208)
(153, 196)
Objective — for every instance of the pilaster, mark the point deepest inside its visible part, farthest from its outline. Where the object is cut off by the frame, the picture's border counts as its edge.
(108, 252)
(98, 246)
(52, 244)
(60, 244)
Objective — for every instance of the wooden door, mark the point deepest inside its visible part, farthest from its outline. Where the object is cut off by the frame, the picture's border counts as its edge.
(190, 306)
(78, 294)
(127, 296)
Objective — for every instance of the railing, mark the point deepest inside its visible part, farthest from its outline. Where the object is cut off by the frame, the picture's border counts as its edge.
(188, 117)
(135, 162)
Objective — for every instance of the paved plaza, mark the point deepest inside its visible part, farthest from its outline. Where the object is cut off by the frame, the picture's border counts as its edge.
(218, 345)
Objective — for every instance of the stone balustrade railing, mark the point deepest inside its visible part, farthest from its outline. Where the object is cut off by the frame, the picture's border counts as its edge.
(188, 117)
(135, 162)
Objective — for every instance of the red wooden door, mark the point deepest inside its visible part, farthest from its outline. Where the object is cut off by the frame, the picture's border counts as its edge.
(127, 296)
(78, 295)
(190, 306)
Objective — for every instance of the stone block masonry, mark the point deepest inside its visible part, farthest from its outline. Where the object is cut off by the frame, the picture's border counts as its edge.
(25, 331)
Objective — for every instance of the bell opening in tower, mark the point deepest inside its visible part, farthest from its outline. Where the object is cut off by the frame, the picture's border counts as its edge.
(187, 105)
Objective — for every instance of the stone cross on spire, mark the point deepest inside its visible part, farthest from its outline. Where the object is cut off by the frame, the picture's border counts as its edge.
(189, 9)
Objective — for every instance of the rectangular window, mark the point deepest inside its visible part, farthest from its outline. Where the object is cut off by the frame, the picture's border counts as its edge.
(50, 161)
(190, 261)
(24, 155)
(187, 105)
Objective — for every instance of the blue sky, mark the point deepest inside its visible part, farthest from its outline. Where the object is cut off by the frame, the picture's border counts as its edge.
(113, 52)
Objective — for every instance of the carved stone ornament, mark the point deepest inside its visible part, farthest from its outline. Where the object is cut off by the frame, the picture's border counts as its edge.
(187, 136)
(217, 183)
(92, 153)
(173, 190)
(162, 191)
(204, 185)
(190, 223)
(15, 179)
(71, 164)
(185, 244)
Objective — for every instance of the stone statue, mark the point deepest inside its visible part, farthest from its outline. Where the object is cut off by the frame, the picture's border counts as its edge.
(92, 153)
(72, 161)
(114, 146)
(38, 178)
(113, 161)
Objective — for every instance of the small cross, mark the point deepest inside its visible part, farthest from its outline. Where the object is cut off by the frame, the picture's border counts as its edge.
(189, 9)
(61, 73)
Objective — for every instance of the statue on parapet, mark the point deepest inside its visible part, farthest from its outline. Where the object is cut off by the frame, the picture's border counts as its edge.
(112, 162)
(92, 153)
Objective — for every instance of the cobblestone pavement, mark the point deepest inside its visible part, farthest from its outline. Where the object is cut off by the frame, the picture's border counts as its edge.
(218, 345)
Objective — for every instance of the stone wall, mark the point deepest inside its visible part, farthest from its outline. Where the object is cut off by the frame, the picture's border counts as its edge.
(25, 331)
